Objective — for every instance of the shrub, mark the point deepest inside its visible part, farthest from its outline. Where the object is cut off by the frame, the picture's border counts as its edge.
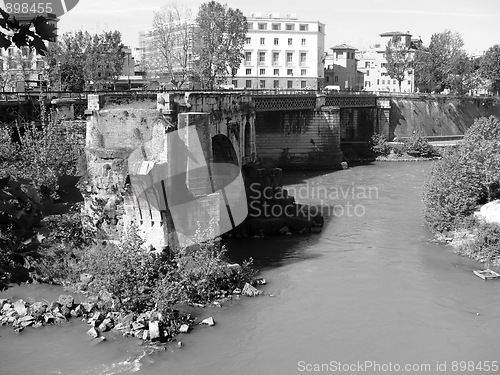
(451, 192)
(486, 244)
(417, 145)
(379, 145)
(127, 270)
(467, 176)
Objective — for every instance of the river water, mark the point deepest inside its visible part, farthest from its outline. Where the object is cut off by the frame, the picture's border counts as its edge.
(371, 292)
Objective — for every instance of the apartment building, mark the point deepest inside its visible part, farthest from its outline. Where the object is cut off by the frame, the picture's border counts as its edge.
(341, 68)
(373, 63)
(282, 52)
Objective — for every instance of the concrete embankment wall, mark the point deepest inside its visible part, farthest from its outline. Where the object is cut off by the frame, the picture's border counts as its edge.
(441, 116)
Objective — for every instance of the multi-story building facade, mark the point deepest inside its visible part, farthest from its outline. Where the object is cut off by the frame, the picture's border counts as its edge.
(341, 68)
(279, 52)
(22, 68)
(282, 52)
(373, 63)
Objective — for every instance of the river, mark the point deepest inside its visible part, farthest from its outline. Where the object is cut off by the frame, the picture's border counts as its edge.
(372, 292)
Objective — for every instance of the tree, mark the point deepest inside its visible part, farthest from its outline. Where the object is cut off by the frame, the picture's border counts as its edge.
(221, 34)
(32, 34)
(490, 67)
(440, 66)
(399, 59)
(104, 60)
(83, 61)
(173, 38)
(65, 61)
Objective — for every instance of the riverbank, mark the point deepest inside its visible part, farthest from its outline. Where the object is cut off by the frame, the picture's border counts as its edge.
(149, 326)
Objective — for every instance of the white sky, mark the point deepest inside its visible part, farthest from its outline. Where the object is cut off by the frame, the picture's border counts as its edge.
(357, 22)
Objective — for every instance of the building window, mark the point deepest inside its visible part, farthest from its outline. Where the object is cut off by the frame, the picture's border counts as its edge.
(262, 58)
(338, 54)
(262, 26)
(394, 82)
(303, 42)
(367, 64)
(276, 72)
(289, 72)
(276, 58)
(262, 84)
(248, 83)
(302, 72)
(320, 28)
(276, 84)
(262, 72)
(303, 57)
(378, 81)
(234, 82)
(250, 25)
(304, 27)
(262, 41)
(248, 57)
(248, 72)
(367, 73)
(327, 78)
(383, 65)
(289, 84)
(248, 40)
(290, 41)
(303, 84)
(276, 41)
(289, 57)
(336, 79)
(276, 26)
(290, 27)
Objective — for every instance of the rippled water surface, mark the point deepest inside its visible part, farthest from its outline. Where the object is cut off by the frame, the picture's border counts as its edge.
(371, 287)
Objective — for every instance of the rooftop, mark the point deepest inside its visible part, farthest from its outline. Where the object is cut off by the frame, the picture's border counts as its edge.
(344, 46)
(395, 33)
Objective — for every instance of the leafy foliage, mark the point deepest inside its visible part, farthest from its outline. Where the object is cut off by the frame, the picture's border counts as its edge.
(485, 246)
(221, 36)
(490, 67)
(379, 145)
(22, 210)
(444, 64)
(465, 177)
(399, 60)
(81, 61)
(32, 34)
(418, 145)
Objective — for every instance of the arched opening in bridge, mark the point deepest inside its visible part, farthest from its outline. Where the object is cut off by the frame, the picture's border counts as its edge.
(223, 150)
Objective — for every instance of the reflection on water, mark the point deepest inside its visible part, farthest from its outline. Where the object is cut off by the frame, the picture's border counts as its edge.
(370, 287)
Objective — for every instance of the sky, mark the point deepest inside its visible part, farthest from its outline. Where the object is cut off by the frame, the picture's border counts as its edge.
(357, 23)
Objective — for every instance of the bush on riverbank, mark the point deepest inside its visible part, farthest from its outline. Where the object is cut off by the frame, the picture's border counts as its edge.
(418, 145)
(466, 177)
(481, 243)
